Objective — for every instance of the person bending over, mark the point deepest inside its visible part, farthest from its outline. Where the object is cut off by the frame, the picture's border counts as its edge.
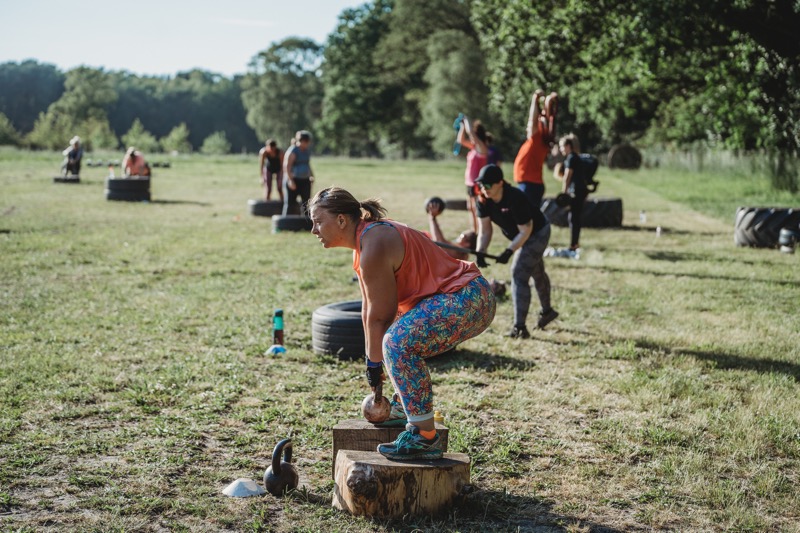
(529, 232)
(417, 302)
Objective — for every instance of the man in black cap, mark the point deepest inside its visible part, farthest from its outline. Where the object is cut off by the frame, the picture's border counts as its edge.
(529, 232)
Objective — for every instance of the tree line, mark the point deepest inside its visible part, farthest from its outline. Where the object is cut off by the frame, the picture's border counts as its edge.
(393, 75)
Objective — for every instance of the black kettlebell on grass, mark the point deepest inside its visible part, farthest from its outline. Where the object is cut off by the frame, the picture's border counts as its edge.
(282, 476)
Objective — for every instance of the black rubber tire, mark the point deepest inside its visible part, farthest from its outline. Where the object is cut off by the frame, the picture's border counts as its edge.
(132, 189)
(336, 329)
(66, 179)
(456, 204)
(624, 156)
(290, 223)
(597, 213)
(265, 208)
(760, 227)
(556, 214)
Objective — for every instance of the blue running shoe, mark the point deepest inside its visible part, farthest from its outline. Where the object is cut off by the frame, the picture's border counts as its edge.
(411, 446)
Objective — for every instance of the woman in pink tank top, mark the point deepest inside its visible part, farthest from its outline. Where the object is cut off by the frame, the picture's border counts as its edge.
(417, 302)
(473, 137)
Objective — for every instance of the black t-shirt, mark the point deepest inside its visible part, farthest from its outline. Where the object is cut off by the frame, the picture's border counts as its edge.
(580, 171)
(513, 210)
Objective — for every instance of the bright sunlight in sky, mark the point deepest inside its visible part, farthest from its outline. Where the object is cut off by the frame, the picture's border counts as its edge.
(149, 37)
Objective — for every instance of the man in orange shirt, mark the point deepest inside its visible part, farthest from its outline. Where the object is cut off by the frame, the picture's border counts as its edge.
(533, 152)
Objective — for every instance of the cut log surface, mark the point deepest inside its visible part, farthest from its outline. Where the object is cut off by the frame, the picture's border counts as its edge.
(360, 435)
(368, 484)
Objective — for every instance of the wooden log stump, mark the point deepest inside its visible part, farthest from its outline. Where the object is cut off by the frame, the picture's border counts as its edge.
(368, 484)
(360, 435)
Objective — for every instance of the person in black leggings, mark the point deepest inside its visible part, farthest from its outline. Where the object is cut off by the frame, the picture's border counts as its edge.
(575, 184)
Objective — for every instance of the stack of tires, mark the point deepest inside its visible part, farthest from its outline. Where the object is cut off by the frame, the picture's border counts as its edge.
(336, 329)
(130, 189)
(767, 227)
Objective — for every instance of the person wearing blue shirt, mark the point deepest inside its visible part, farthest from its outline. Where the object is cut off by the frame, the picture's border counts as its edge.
(298, 174)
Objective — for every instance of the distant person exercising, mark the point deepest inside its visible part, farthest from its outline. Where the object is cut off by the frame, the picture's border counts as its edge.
(270, 163)
(578, 176)
(73, 154)
(134, 164)
(533, 152)
(467, 239)
(298, 175)
(529, 232)
(473, 137)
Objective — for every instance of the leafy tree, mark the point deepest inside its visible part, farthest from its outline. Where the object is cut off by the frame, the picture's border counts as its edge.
(282, 93)
(26, 90)
(455, 75)
(216, 144)
(52, 131)
(99, 135)
(88, 93)
(177, 140)
(355, 103)
(8, 135)
(402, 55)
(723, 72)
(140, 138)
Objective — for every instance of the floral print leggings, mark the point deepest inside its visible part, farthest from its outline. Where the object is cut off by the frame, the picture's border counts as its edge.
(435, 325)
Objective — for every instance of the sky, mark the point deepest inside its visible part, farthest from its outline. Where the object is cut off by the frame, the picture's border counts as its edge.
(151, 37)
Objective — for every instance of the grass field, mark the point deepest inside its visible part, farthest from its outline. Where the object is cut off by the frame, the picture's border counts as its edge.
(134, 385)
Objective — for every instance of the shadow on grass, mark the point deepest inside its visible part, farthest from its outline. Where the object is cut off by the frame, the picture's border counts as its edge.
(727, 361)
(183, 202)
(458, 359)
(664, 230)
(481, 510)
(620, 270)
(675, 257)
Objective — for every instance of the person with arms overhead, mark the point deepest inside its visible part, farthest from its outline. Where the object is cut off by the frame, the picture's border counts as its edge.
(473, 137)
(533, 153)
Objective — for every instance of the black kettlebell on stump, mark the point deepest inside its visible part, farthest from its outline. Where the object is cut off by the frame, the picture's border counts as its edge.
(282, 475)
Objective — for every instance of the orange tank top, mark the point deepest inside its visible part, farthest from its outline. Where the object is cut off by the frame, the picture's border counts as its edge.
(531, 158)
(426, 269)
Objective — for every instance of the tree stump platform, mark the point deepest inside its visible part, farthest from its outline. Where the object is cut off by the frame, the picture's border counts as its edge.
(368, 484)
(360, 435)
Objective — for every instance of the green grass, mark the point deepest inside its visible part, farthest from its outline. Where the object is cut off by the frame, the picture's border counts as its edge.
(133, 385)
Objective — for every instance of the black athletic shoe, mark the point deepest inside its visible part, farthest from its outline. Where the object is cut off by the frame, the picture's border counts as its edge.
(545, 317)
(519, 332)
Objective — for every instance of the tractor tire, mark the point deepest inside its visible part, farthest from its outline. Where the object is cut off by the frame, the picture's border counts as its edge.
(760, 227)
(131, 189)
(456, 204)
(556, 214)
(269, 208)
(597, 213)
(336, 329)
(290, 223)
